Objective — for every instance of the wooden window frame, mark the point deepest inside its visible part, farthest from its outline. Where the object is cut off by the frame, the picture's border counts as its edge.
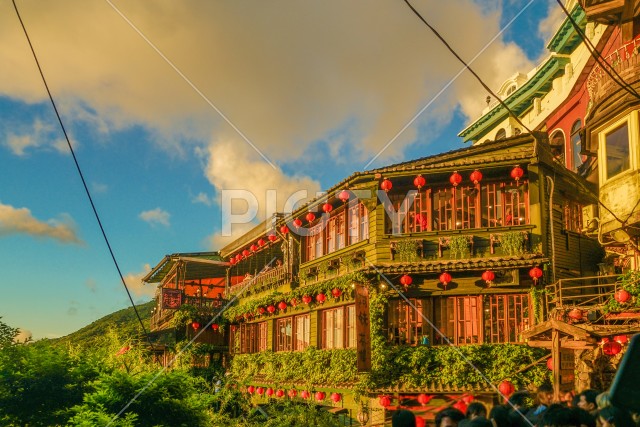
(340, 319)
(251, 337)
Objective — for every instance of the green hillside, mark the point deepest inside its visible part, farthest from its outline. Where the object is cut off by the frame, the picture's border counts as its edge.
(123, 321)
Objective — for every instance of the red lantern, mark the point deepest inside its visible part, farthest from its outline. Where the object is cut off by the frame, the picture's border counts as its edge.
(261, 310)
(336, 397)
(622, 296)
(238, 257)
(420, 422)
(260, 391)
(232, 261)
(233, 328)
(320, 396)
(575, 314)
(261, 242)
(195, 325)
(488, 276)
(445, 278)
(344, 196)
(269, 392)
(406, 280)
(550, 363)
(282, 305)
(386, 185)
(476, 177)
(271, 309)
(284, 229)
(215, 326)
(327, 207)
(320, 298)
(297, 222)
(424, 399)
(305, 394)
(468, 398)
(419, 181)
(251, 389)
(611, 348)
(384, 401)
(517, 173)
(280, 393)
(622, 339)
(336, 292)
(455, 179)
(246, 253)
(506, 388)
(306, 299)
(293, 302)
(535, 274)
(292, 393)
(253, 248)
(460, 406)
(273, 237)
(310, 217)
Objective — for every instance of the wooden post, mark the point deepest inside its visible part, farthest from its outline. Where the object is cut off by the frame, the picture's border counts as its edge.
(555, 354)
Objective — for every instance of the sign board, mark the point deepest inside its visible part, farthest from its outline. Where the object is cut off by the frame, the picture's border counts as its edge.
(567, 369)
(363, 329)
(171, 298)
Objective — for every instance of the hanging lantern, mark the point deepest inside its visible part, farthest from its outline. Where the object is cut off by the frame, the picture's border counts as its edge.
(292, 393)
(260, 391)
(320, 298)
(269, 392)
(424, 399)
(336, 292)
(233, 328)
(293, 302)
(517, 173)
(550, 363)
(622, 296)
(344, 196)
(575, 314)
(195, 325)
(306, 299)
(305, 394)
(273, 237)
(535, 273)
(488, 276)
(246, 253)
(320, 396)
(251, 389)
(506, 388)
(232, 261)
(622, 339)
(384, 401)
(455, 179)
(282, 305)
(253, 248)
(419, 181)
(271, 309)
(261, 242)
(280, 393)
(460, 406)
(406, 280)
(336, 397)
(297, 222)
(445, 278)
(327, 207)
(468, 398)
(611, 348)
(238, 257)
(476, 176)
(215, 326)
(386, 185)
(284, 229)
(261, 310)
(420, 422)
(310, 217)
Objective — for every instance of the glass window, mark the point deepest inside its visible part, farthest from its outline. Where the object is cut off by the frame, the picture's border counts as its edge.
(617, 150)
(576, 144)
(556, 142)
(284, 334)
(250, 338)
(405, 323)
(302, 329)
(338, 327)
(502, 134)
(505, 317)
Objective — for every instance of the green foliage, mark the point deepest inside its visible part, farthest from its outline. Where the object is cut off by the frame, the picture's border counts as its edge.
(629, 281)
(512, 242)
(459, 246)
(537, 303)
(7, 334)
(407, 250)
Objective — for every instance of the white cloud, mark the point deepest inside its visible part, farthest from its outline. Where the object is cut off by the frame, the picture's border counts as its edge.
(21, 221)
(549, 25)
(156, 216)
(202, 198)
(135, 285)
(98, 187)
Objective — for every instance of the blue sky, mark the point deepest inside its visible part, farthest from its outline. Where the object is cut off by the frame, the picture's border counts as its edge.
(319, 89)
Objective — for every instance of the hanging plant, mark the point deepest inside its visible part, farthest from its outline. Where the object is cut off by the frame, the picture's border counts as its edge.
(407, 250)
(537, 303)
(459, 245)
(512, 242)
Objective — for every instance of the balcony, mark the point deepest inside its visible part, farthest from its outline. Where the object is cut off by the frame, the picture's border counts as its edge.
(263, 280)
(161, 318)
(625, 61)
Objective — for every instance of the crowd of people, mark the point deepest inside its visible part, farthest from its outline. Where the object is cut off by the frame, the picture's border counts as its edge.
(589, 408)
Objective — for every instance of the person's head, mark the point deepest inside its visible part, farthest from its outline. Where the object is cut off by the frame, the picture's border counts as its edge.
(588, 400)
(557, 415)
(544, 395)
(476, 409)
(612, 416)
(585, 419)
(403, 418)
(518, 399)
(449, 417)
(602, 400)
(499, 416)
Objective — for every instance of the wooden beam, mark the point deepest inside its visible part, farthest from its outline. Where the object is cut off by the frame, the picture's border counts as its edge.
(555, 354)
(573, 345)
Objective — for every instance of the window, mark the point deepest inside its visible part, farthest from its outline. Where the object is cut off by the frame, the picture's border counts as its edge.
(458, 318)
(501, 134)
(284, 334)
(556, 142)
(505, 317)
(617, 151)
(573, 216)
(250, 338)
(405, 322)
(349, 225)
(292, 333)
(576, 144)
(302, 330)
(338, 327)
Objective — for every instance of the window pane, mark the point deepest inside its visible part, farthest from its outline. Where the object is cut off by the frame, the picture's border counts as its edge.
(351, 326)
(617, 148)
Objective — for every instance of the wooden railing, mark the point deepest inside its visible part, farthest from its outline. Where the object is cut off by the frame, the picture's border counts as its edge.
(584, 292)
(622, 59)
(268, 277)
(161, 319)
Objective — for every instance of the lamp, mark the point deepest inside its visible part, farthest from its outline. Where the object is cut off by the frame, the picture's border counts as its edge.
(620, 236)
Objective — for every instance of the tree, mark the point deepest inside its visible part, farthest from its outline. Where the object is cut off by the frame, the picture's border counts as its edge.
(7, 334)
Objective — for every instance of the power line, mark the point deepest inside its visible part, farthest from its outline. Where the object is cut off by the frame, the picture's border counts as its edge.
(75, 160)
(454, 53)
(597, 56)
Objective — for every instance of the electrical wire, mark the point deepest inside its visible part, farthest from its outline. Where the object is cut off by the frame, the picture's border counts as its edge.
(467, 66)
(75, 160)
(607, 68)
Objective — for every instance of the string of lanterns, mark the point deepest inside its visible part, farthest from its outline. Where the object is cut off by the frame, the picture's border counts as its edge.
(488, 276)
(292, 393)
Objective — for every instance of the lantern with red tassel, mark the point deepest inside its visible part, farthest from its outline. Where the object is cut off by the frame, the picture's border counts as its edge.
(272, 237)
(419, 181)
(251, 389)
(320, 396)
(327, 207)
(269, 392)
(424, 399)
(253, 248)
(384, 401)
(445, 279)
(506, 388)
(406, 280)
(280, 393)
(488, 277)
(292, 393)
(344, 196)
(260, 391)
(195, 325)
(622, 296)
(305, 394)
(246, 253)
(535, 273)
(320, 298)
(306, 299)
(238, 257)
(261, 242)
(550, 363)
(271, 309)
(282, 305)
(476, 176)
(455, 179)
(297, 223)
(517, 173)
(386, 185)
(284, 229)
(261, 310)
(215, 326)
(232, 261)
(336, 292)
(336, 397)
(310, 217)
(611, 348)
